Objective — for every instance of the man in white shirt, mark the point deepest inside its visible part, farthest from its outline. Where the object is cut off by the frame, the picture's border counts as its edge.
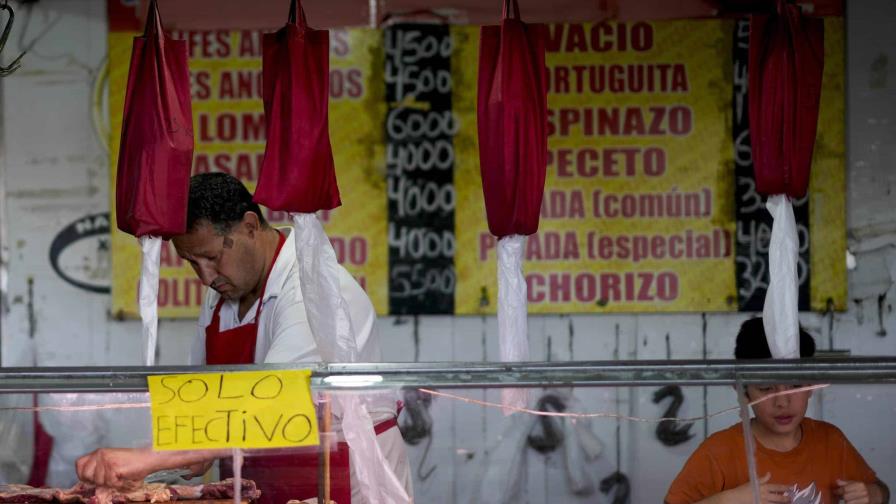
(253, 313)
(283, 331)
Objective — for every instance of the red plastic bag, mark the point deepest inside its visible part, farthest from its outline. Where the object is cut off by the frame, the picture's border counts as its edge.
(156, 136)
(512, 120)
(297, 173)
(786, 63)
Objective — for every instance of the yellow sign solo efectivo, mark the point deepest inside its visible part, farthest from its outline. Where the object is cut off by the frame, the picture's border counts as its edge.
(254, 409)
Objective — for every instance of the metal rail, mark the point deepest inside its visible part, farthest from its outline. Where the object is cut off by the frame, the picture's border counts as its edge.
(481, 374)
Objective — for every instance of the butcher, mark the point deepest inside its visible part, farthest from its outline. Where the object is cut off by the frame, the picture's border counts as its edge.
(253, 312)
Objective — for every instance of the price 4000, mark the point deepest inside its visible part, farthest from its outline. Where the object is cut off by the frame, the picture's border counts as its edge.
(421, 242)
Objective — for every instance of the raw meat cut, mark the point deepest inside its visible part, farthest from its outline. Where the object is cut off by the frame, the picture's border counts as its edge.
(25, 493)
(86, 493)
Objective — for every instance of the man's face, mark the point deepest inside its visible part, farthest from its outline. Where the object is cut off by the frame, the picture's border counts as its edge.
(779, 414)
(226, 263)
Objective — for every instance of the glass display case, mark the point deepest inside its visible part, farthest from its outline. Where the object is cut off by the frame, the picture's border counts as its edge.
(613, 431)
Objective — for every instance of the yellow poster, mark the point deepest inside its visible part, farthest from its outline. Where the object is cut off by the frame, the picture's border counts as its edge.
(228, 127)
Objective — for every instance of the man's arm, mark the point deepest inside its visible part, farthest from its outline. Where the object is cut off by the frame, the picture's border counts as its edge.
(119, 467)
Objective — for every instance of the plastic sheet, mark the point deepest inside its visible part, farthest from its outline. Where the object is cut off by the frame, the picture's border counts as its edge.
(476, 451)
(582, 446)
(328, 316)
(328, 313)
(16, 438)
(504, 466)
(99, 422)
(379, 484)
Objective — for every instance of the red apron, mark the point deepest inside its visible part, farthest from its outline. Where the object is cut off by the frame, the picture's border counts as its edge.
(280, 477)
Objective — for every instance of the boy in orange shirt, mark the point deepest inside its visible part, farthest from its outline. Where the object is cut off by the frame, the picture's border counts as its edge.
(799, 460)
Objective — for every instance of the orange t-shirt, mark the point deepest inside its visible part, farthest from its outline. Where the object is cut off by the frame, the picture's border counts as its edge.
(823, 456)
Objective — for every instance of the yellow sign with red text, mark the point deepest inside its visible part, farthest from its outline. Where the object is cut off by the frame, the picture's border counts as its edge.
(639, 207)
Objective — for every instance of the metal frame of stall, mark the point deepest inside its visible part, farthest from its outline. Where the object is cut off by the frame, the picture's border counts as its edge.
(363, 376)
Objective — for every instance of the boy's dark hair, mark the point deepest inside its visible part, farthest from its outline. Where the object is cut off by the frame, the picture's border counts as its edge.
(752, 344)
(221, 200)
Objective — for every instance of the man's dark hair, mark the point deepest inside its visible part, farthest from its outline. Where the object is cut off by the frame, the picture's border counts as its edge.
(221, 200)
(752, 344)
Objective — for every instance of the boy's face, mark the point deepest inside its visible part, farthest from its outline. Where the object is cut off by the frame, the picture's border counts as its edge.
(780, 414)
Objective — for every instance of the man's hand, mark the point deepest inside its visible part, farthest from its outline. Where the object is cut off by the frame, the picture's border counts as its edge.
(127, 467)
(857, 492)
(114, 467)
(769, 493)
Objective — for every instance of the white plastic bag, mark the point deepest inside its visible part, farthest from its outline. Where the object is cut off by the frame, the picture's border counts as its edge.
(780, 316)
(76, 433)
(149, 295)
(513, 338)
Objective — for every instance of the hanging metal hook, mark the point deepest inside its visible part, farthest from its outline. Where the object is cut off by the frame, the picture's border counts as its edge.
(16, 63)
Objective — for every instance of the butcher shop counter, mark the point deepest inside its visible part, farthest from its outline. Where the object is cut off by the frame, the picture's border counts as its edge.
(599, 430)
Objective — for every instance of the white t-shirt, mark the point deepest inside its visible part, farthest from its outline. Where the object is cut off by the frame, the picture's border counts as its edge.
(283, 331)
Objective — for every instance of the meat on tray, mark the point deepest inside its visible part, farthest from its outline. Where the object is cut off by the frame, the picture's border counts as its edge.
(224, 490)
(81, 492)
(85, 493)
(148, 492)
(25, 493)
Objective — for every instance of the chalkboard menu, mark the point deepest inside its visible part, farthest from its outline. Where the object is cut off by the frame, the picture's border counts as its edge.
(419, 132)
(754, 223)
